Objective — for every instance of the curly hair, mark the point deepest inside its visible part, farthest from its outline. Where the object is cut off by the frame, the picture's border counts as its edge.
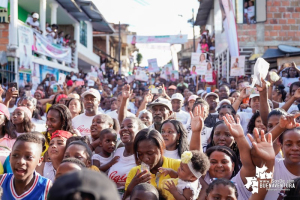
(81, 105)
(251, 124)
(65, 117)
(224, 182)
(75, 161)
(200, 162)
(84, 139)
(229, 153)
(36, 112)
(183, 143)
(27, 125)
(233, 147)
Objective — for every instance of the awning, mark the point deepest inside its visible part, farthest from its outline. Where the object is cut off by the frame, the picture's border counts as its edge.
(86, 11)
(203, 12)
(276, 53)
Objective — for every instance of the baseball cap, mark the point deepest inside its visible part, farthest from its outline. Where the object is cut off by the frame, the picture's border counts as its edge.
(172, 87)
(35, 15)
(93, 92)
(177, 96)
(162, 102)
(199, 92)
(4, 111)
(212, 94)
(193, 97)
(86, 181)
(223, 102)
(253, 95)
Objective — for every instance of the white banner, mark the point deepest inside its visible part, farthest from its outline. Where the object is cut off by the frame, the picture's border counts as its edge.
(172, 39)
(152, 65)
(198, 64)
(25, 42)
(174, 57)
(237, 67)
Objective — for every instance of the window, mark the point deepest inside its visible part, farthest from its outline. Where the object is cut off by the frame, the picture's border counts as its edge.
(250, 11)
(83, 33)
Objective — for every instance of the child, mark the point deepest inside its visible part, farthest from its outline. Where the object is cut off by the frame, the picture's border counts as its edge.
(104, 159)
(144, 191)
(193, 165)
(21, 119)
(221, 189)
(25, 183)
(68, 165)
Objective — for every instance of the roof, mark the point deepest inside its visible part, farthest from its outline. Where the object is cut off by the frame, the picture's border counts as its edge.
(83, 10)
(276, 53)
(203, 12)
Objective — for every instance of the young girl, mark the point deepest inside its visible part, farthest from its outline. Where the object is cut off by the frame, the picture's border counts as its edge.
(256, 122)
(21, 119)
(221, 189)
(104, 159)
(75, 106)
(193, 165)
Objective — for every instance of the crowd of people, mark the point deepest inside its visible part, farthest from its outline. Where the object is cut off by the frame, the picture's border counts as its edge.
(118, 140)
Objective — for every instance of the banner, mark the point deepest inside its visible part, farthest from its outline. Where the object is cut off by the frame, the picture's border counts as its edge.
(172, 39)
(174, 75)
(229, 26)
(152, 65)
(48, 70)
(25, 41)
(198, 63)
(174, 57)
(42, 45)
(141, 75)
(237, 67)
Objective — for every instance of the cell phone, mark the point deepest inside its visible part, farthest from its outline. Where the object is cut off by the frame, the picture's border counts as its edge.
(160, 91)
(79, 83)
(154, 91)
(13, 85)
(54, 88)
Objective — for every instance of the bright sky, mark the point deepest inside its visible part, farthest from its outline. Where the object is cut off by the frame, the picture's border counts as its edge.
(152, 17)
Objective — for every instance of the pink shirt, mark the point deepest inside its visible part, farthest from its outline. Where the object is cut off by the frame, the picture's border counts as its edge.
(5, 142)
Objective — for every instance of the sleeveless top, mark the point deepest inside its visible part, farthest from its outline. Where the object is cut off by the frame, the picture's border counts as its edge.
(38, 191)
(49, 171)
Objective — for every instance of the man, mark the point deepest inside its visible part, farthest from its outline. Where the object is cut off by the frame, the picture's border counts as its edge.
(83, 122)
(161, 110)
(224, 92)
(33, 21)
(171, 90)
(182, 83)
(212, 99)
(180, 115)
(119, 86)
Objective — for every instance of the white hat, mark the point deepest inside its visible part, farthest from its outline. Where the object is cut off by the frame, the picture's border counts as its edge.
(199, 92)
(35, 15)
(177, 96)
(253, 95)
(161, 101)
(93, 92)
(223, 102)
(212, 94)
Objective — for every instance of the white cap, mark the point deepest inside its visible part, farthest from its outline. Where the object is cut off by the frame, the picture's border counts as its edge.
(212, 94)
(93, 92)
(161, 101)
(177, 96)
(199, 92)
(223, 102)
(35, 15)
(253, 95)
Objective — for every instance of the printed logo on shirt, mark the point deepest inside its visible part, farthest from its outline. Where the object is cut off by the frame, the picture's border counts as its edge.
(83, 131)
(118, 178)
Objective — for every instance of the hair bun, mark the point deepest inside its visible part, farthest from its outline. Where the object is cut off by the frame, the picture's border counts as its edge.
(281, 87)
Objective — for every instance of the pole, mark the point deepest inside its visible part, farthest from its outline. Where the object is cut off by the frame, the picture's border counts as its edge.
(194, 45)
(119, 48)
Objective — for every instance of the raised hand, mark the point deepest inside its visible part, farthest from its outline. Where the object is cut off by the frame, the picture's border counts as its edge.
(262, 147)
(262, 88)
(126, 91)
(148, 98)
(197, 119)
(289, 121)
(243, 94)
(235, 128)
(164, 171)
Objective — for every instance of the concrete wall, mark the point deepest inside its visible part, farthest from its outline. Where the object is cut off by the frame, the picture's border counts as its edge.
(282, 27)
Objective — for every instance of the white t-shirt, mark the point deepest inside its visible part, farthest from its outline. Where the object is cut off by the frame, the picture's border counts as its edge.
(171, 154)
(280, 173)
(243, 192)
(291, 109)
(183, 117)
(114, 114)
(119, 171)
(40, 125)
(31, 22)
(103, 160)
(287, 82)
(205, 134)
(83, 123)
(244, 119)
(250, 12)
(11, 110)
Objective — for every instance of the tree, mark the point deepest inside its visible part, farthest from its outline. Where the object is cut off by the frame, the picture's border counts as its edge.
(139, 58)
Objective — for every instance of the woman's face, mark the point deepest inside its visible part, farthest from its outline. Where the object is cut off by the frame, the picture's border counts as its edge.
(129, 129)
(222, 136)
(78, 152)
(28, 104)
(259, 124)
(37, 95)
(98, 124)
(146, 119)
(18, 116)
(291, 146)
(272, 122)
(294, 88)
(75, 106)
(53, 121)
(221, 165)
(170, 136)
(149, 153)
(235, 95)
(57, 147)
(276, 96)
(223, 112)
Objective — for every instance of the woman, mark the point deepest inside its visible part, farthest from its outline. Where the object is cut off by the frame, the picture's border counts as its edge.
(235, 94)
(21, 120)
(75, 106)
(175, 138)
(148, 148)
(36, 119)
(226, 109)
(7, 137)
(204, 46)
(146, 117)
(256, 122)
(119, 171)
(39, 94)
(293, 76)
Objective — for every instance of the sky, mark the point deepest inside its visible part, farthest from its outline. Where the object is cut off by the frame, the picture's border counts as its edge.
(152, 17)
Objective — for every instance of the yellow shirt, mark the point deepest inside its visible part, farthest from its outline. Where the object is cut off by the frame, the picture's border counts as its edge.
(167, 163)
